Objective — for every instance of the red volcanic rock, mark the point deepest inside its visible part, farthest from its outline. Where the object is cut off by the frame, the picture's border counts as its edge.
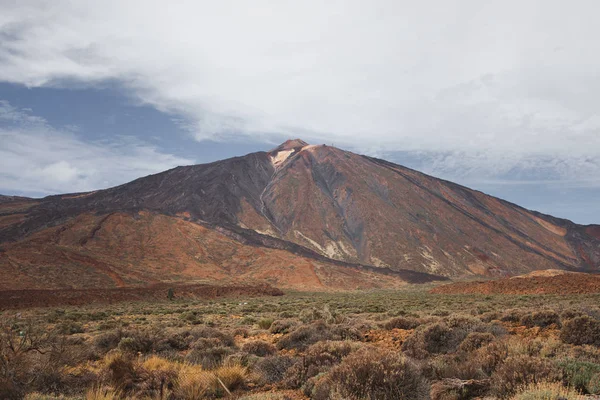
(299, 216)
(551, 283)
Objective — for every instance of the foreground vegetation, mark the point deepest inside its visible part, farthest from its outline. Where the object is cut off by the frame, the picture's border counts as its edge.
(369, 345)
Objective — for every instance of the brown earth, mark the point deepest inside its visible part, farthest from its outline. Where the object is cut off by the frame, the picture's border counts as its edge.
(16, 299)
(123, 250)
(535, 283)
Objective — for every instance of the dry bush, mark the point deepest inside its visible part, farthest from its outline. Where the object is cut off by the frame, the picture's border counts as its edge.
(519, 371)
(121, 371)
(243, 332)
(283, 326)
(543, 319)
(265, 323)
(438, 338)
(375, 374)
(581, 330)
(259, 348)
(319, 358)
(476, 340)
(491, 356)
(457, 389)
(224, 338)
(208, 356)
(512, 316)
(314, 314)
(233, 376)
(456, 366)
(27, 356)
(194, 383)
(273, 369)
(306, 335)
(401, 323)
(108, 340)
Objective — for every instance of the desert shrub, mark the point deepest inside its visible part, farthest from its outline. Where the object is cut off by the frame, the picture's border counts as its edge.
(401, 323)
(265, 323)
(272, 369)
(570, 314)
(259, 348)
(318, 387)
(546, 391)
(491, 356)
(282, 326)
(190, 317)
(490, 316)
(224, 339)
(176, 341)
(580, 375)
(306, 335)
(454, 366)
(243, 332)
(208, 356)
(437, 338)
(319, 358)
(121, 371)
(315, 314)
(108, 341)
(232, 376)
(70, 328)
(516, 372)
(584, 353)
(375, 374)
(139, 340)
(476, 340)
(581, 330)
(512, 316)
(542, 319)
(465, 322)
(593, 385)
(457, 389)
(27, 351)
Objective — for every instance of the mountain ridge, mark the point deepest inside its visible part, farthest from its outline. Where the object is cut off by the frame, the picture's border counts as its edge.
(327, 205)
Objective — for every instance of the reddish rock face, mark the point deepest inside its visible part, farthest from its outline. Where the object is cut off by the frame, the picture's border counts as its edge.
(298, 216)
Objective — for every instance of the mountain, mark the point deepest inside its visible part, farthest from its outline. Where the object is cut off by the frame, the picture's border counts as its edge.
(299, 216)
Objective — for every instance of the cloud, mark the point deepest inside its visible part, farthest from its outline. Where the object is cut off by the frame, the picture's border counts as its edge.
(482, 86)
(38, 159)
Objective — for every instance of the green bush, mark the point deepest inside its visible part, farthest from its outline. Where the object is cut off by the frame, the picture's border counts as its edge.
(581, 375)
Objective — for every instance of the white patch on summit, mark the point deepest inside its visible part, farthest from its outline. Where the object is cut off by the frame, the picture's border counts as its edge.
(280, 157)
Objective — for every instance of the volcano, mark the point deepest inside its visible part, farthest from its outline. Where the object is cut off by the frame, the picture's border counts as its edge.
(301, 216)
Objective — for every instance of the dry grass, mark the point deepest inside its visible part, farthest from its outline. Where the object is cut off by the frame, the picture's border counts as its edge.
(547, 391)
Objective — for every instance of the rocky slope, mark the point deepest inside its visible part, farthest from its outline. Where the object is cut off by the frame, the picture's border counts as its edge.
(298, 216)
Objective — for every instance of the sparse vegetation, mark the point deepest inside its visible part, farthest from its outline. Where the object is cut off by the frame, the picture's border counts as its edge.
(361, 345)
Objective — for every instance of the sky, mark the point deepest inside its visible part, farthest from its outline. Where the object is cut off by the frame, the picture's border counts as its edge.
(500, 96)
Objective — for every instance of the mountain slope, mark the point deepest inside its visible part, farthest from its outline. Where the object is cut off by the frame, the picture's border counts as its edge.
(350, 220)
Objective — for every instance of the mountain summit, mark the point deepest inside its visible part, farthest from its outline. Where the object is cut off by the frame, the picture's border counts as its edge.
(298, 216)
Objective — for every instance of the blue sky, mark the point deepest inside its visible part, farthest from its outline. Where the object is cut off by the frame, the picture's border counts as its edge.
(501, 97)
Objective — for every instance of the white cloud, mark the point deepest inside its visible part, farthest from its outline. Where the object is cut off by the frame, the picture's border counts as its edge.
(38, 159)
(486, 85)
